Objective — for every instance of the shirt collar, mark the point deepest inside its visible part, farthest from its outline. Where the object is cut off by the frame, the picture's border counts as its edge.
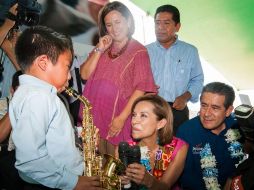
(175, 43)
(228, 124)
(34, 81)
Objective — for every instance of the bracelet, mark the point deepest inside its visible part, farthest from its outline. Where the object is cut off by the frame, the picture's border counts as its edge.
(98, 50)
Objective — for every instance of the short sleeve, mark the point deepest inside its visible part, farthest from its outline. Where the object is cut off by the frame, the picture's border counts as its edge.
(143, 77)
(180, 143)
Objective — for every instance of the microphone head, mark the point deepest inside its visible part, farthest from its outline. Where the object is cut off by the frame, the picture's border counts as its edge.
(134, 155)
(123, 147)
(123, 151)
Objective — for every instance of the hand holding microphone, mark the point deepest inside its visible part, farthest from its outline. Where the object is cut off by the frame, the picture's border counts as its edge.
(136, 172)
(129, 155)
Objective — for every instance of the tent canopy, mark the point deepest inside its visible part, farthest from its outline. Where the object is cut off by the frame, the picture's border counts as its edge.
(223, 32)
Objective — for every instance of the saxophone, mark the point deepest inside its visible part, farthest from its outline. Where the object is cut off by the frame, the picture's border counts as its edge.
(109, 173)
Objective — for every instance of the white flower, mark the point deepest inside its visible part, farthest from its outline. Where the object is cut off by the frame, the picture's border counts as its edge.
(208, 162)
(232, 135)
(144, 152)
(211, 183)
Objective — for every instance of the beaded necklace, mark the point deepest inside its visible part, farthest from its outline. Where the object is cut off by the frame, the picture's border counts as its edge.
(115, 55)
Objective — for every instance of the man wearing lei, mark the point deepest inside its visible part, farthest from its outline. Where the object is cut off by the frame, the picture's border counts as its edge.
(213, 138)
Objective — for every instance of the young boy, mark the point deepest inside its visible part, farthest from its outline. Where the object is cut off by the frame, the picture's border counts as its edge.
(42, 131)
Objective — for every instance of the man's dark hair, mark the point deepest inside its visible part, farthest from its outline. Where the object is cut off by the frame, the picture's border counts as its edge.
(119, 7)
(170, 9)
(221, 89)
(40, 40)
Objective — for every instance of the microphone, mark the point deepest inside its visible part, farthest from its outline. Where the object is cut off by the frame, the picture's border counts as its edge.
(128, 155)
(134, 157)
(123, 151)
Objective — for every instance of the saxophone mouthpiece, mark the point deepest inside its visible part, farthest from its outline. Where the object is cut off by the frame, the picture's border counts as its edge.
(71, 92)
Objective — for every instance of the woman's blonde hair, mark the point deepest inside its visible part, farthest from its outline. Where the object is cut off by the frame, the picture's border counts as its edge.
(163, 111)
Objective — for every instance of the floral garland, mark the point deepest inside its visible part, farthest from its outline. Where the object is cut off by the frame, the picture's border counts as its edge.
(208, 161)
(145, 158)
(235, 148)
(210, 172)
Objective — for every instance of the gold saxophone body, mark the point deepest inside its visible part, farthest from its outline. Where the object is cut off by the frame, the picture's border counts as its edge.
(109, 173)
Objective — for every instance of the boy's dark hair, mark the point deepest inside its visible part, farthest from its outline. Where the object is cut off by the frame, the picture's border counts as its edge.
(40, 40)
(15, 79)
(221, 89)
(170, 9)
(119, 7)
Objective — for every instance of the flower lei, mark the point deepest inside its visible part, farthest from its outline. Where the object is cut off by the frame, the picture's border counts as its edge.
(235, 148)
(210, 172)
(208, 161)
(145, 158)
